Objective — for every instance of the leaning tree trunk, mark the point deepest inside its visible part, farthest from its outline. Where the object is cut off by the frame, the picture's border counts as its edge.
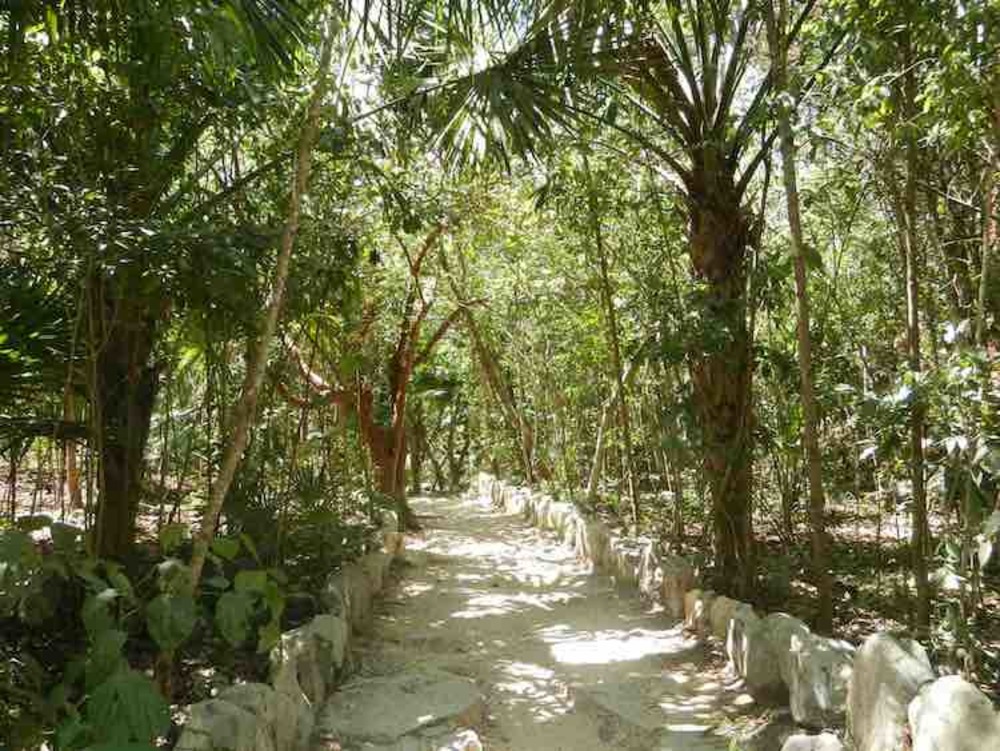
(719, 235)
(125, 392)
(245, 407)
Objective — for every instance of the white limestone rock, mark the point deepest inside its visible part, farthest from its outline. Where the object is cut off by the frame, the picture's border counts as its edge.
(698, 610)
(218, 724)
(822, 742)
(288, 721)
(381, 711)
(951, 714)
(676, 577)
(820, 672)
(888, 672)
(721, 614)
(307, 660)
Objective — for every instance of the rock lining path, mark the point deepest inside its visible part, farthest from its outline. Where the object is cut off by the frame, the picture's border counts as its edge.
(497, 626)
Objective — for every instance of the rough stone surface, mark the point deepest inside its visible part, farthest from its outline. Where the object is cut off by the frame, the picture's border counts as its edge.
(951, 714)
(625, 558)
(698, 610)
(888, 673)
(785, 635)
(383, 710)
(461, 740)
(595, 543)
(359, 596)
(376, 567)
(650, 573)
(333, 598)
(762, 671)
(802, 742)
(219, 724)
(820, 672)
(721, 614)
(288, 721)
(676, 576)
(741, 625)
(308, 659)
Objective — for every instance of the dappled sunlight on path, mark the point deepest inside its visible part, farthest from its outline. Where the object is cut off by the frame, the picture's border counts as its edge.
(564, 660)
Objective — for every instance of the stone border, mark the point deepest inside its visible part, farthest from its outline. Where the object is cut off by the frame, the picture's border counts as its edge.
(661, 579)
(307, 665)
(885, 690)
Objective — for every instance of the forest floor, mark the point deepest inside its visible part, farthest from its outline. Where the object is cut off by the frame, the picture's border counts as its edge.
(561, 658)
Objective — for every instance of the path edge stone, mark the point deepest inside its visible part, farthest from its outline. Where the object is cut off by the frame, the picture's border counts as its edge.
(306, 665)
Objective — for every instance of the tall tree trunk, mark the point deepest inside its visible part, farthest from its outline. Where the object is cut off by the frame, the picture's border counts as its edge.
(125, 392)
(244, 409)
(777, 30)
(419, 450)
(719, 235)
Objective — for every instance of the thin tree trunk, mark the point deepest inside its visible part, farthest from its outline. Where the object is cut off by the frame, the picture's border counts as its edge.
(607, 412)
(777, 30)
(70, 453)
(614, 339)
(243, 410)
(991, 189)
(919, 536)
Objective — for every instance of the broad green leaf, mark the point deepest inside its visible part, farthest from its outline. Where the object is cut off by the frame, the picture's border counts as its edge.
(171, 537)
(267, 637)
(252, 580)
(232, 616)
(65, 537)
(248, 544)
(96, 612)
(126, 708)
(226, 547)
(105, 657)
(170, 619)
(173, 575)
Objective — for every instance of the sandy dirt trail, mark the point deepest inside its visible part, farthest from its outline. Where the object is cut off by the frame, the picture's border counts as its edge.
(563, 660)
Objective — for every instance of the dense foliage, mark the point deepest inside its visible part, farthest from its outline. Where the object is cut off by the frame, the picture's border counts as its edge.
(584, 244)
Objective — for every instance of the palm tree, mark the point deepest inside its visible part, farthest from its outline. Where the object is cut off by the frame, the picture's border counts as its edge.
(684, 72)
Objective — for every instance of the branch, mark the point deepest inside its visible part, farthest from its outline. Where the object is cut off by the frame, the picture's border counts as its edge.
(446, 324)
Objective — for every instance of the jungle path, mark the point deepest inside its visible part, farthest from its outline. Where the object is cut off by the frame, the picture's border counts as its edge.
(561, 659)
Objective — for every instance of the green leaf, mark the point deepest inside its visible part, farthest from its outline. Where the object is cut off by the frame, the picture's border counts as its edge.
(96, 613)
(127, 707)
(267, 637)
(105, 657)
(252, 580)
(249, 545)
(65, 537)
(173, 575)
(226, 547)
(170, 619)
(171, 537)
(17, 547)
(232, 616)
